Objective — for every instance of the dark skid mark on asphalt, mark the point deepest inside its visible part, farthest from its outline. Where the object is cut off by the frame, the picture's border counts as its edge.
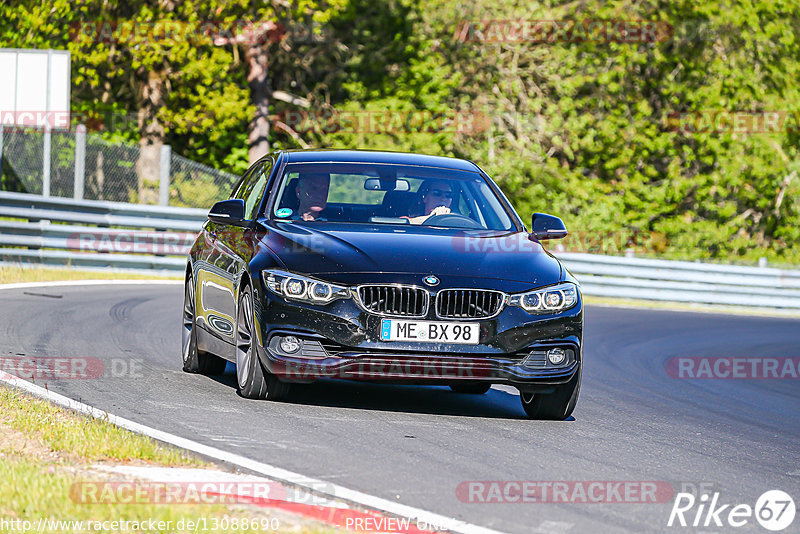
(42, 295)
(121, 311)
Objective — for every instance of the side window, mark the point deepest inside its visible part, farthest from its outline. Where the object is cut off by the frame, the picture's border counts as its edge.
(254, 191)
(243, 187)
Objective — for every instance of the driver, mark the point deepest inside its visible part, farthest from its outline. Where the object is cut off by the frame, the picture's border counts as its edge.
(435, 197)
(312, 195)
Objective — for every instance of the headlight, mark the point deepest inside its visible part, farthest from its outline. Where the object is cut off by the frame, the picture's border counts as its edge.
(298, 287)
(550, 299)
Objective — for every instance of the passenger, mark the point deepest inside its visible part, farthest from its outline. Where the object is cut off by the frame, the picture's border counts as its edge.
(435, 197)
(312, 196)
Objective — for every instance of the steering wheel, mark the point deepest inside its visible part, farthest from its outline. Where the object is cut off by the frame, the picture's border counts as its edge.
(452, 220)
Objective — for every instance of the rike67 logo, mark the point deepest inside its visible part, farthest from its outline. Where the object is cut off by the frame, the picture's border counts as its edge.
(774, 510)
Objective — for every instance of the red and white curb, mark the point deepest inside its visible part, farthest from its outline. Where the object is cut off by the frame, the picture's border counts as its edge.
(206, 485)
(334, 505)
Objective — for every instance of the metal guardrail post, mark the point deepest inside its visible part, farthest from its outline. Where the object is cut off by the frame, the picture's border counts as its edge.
(163, 182)
(46, 162)
(80, 161)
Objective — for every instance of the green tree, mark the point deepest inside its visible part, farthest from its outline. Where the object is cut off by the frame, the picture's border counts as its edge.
(267, 33)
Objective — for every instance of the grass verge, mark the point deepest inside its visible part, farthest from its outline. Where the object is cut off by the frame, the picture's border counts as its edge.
(688, 307)
(89, 439)
(10, 274)
(47, 453)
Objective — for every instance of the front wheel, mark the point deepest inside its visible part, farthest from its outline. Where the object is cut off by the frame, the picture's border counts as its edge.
(253, 380)
(555, 406)
(194, 360)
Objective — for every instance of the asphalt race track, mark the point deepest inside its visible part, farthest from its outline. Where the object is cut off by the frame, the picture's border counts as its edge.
(416, 444)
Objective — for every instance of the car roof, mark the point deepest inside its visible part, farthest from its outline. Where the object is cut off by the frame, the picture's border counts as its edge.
(376, 156)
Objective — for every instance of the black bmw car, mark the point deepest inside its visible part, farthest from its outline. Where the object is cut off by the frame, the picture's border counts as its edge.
(381, 266)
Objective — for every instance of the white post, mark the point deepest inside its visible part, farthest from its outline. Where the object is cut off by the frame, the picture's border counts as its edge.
(80, 161)
(46, 162)
(163, 182)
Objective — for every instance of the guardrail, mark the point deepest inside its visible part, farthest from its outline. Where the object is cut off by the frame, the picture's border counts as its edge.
(155, 238)
(105, 234)
(683, 281)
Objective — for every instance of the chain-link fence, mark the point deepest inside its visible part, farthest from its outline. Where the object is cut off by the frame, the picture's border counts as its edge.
(22, 161)
(110, 171)
(195, 185)
(86, 166)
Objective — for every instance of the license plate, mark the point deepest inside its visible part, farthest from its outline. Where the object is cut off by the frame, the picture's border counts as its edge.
(429, 331)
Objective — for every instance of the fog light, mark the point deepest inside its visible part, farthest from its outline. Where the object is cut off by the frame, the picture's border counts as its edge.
(556, 356)
(290, 344)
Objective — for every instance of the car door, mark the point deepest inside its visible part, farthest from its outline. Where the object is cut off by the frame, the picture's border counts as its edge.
(232, 248)
(217, 269)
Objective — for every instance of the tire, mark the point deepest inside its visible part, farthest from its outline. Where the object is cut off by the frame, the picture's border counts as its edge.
(253, 380)
(472, 388)
(195, 360)
(555, 406)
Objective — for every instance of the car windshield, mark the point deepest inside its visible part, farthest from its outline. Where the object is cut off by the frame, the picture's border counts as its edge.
(388, 194)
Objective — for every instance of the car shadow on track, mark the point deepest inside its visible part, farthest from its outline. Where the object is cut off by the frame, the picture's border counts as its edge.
(434, 400)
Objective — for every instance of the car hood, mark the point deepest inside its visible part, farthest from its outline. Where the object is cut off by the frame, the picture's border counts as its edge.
(335, 248)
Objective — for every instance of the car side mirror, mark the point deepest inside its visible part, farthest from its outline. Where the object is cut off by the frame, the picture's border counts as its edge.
(228, 212)
(546, 226)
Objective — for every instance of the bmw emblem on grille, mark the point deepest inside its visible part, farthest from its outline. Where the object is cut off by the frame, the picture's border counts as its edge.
(431, 280)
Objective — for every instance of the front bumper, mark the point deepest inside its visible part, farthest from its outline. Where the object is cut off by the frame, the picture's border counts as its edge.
(341, 340)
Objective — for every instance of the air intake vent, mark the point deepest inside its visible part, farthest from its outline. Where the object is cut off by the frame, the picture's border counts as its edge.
(537, 359)
(468, 303)
(394, 300)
